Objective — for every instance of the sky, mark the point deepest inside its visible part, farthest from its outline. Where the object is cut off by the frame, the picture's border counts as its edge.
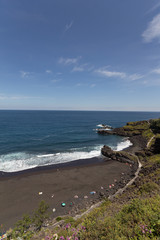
(80, 55)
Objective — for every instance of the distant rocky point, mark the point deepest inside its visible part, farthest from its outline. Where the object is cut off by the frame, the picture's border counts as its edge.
(145, 136)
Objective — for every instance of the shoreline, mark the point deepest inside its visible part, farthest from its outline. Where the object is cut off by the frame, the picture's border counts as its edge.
(77, 162)
(39, 169)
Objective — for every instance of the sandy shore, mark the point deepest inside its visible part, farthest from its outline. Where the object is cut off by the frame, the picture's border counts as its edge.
(19, 192)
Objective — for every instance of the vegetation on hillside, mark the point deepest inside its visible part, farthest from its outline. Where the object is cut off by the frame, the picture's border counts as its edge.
(23, 229)
(155, 125)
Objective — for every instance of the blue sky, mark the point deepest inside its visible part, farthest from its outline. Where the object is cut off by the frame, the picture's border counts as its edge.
(80, 54)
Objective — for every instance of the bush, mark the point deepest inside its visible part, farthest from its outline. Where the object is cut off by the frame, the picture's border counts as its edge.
(147, 134)
(149, 187)
(40, 215)
(69, 220)
(21, 228)
(138, 220)
(59, 219)
(155, 125)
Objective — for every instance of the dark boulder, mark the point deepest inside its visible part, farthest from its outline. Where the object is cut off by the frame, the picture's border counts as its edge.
(120, 156)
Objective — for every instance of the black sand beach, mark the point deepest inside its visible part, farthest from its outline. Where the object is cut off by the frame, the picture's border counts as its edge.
(20, 193)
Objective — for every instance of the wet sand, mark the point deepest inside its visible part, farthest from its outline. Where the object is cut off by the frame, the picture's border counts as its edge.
(19, 192)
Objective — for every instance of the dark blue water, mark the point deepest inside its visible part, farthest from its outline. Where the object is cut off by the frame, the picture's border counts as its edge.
(37, 138)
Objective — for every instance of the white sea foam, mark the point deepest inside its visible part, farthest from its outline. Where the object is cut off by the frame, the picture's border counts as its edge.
(46, 155)
(14, 162)
(103, 125)
(122, 145)
(20, 161)
(99, 125)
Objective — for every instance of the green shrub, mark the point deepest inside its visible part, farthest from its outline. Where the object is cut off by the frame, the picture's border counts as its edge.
(156, 227)
(59, 219)
(69, 220)
(21, 228)
(149, 187)
(40, 215)
(137, 220)
(155, 125)
(147, 134)
(154, 159)
(140, 125)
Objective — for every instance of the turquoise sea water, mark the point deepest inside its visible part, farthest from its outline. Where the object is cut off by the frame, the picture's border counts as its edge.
(37, 138)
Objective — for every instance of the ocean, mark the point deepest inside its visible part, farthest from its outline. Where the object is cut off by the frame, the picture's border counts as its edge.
(38, 138)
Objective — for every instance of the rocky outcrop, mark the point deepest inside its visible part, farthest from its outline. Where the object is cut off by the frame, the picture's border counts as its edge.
(131, 129)
(106, 126)
(120, 156)
(115, 131)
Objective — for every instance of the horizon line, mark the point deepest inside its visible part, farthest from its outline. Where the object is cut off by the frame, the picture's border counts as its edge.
(80, 110)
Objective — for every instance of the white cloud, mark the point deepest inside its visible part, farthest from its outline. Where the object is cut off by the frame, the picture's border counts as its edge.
(48, 71)
(25, 74)
(153, 30)
(157, 70)
(82, 68)
(85, 85)
(78, 69)
(122, 75)
(68, 26)
(16, 97)
(68, 61)
(135, 76)
(104, 72)
(55, 80)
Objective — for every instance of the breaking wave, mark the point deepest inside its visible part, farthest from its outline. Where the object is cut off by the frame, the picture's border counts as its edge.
(122, 145)
(14, 162)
